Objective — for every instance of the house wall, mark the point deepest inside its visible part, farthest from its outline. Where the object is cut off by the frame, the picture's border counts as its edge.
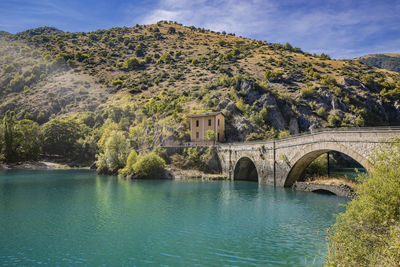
(197, 129)
(206, 123)
(221, 127)
(207, 126)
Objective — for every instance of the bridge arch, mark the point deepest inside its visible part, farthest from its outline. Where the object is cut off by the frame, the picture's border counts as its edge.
(245, 169)
(323, 192)
(304, 157)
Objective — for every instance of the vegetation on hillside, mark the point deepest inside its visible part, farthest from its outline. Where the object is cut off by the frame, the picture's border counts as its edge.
(383, 61)
(142, 82)
(368, 233)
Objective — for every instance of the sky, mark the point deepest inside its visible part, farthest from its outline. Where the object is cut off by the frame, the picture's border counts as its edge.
(340, 28)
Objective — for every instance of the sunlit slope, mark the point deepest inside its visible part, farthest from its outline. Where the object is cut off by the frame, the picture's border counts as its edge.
(165, 71)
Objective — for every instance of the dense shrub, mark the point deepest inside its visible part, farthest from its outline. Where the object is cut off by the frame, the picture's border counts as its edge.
(60, 135)
(130, 161)
(334, 120)
(322, 112)
(368, 233)
(273, 76)
(149, 166)
(114, 153)
(131, 64)
(308, 91)
(283, 134)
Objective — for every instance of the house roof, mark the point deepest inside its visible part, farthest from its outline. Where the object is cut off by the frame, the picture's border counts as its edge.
(205, 114)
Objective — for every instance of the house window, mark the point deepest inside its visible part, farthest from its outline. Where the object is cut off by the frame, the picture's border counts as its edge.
(218, 136)
(209, 122)
(218, 122)
(197, 123)
(197, 135)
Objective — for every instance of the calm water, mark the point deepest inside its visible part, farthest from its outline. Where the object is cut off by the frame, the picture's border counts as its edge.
(76, 217)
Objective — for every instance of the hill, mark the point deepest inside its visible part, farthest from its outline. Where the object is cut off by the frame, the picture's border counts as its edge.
(383, 61)
(148, 78)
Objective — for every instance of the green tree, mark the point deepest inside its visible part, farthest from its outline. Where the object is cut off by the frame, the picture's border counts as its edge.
(114, 153)
(27, 141)
(60, 135)
(171, 30)
(8, 128)
(210, 135)
(2, 157)
(149, 166)
(368, 233)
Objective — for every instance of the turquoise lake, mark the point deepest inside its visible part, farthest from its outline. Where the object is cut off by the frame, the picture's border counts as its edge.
(76, 217)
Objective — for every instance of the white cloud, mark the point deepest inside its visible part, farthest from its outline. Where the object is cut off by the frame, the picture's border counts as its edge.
(342, 30)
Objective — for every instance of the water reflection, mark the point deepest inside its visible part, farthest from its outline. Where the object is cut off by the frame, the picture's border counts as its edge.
(67, 217)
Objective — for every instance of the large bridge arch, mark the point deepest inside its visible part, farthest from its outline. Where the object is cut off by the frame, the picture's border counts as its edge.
(245, 169)
(304, 157)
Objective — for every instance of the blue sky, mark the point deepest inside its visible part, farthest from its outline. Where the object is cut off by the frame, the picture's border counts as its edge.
(341, 28)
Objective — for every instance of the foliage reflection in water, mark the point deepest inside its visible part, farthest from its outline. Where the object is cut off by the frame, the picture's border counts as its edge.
(67, 217)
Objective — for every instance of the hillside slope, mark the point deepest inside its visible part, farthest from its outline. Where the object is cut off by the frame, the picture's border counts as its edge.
(150, 77)
(383, 61)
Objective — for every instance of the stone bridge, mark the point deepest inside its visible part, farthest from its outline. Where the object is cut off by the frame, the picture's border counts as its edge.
(282, 162)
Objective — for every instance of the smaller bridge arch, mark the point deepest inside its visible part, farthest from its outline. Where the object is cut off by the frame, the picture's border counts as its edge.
(304, 158)
(245, 169)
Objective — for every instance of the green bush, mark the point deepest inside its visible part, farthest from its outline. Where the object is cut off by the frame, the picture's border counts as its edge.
(308, 91)
(131, 64)
(255, 137)
(210, 135)
(283, 134)
(162, 152)
(273, 76)
(149, 166)
(321, 112)
(326, 80)
(113, 154)
(368, 233)
(130, 161)
(334, 120)
(171, 30)
(178, 160)
(60, 135)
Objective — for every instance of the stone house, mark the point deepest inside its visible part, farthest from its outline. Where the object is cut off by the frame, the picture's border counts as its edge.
(201, 123)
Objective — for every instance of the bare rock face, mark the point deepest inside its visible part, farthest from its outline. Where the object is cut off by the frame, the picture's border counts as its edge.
(293, 126)
(238, 128)
(275, 116)
(231, 110)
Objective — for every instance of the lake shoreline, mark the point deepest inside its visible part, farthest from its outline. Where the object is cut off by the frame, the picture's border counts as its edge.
(37, 165)
(174, 173)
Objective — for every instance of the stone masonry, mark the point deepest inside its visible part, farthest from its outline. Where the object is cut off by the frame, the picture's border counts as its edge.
(281, 162)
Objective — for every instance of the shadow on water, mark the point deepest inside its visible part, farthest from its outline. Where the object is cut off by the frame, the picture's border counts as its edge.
(323, 192)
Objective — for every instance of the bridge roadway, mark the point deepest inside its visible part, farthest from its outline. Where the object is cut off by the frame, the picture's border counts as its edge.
(281, 162)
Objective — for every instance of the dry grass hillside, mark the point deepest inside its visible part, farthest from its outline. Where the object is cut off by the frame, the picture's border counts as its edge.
(152, 76)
